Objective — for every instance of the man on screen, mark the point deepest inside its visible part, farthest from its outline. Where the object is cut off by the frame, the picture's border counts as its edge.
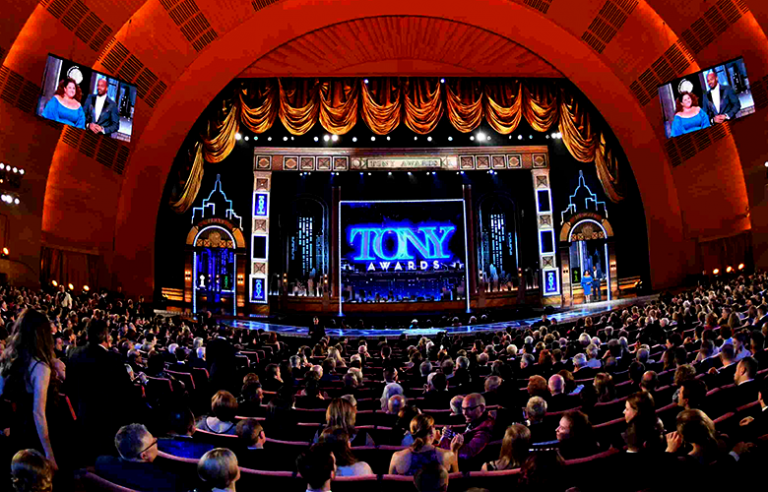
(722, 102)
(100, 111)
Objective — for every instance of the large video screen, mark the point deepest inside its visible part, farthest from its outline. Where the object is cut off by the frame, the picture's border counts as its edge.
(401, 251)
(706, 98)
(78, 96)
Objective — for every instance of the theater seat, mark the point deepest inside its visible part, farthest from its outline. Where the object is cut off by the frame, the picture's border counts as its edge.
(94, 483)
(218, 440)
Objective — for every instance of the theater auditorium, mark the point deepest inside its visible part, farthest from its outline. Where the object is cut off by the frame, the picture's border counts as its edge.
(416, 245)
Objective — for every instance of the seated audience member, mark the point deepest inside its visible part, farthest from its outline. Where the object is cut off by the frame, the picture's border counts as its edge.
(544, 470)
(692, 394)
(218, 470)
(31, 472)
(423, 451)
(395, 404)
(559, 400)
(650, 382)
(251, 397)
(250, 448)
(180, 428)
(347, 465)
(312, 397)
(752, 428)
(576, 436)
(537, 386)
(456, 404)
(432, 478)
(696, 442)
(317, 467)
(401, 430)
(341, 414)
(640, 413)
(493, 385)
(514, 449)
(606, 390)
(535, 411)
(134, 469)
(281, 416)
(390, 390)
(272, 381)
(479, 430)
(741, 346)
(222, 417)
(746, 388)
(435, 394)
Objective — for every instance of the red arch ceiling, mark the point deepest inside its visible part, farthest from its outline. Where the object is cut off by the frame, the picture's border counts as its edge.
(245, 36)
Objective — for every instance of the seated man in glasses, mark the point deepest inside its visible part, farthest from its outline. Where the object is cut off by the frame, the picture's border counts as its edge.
(134, 468)
(479, 429)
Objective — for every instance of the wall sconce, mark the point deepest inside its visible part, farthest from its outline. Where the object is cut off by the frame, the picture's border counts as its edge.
(187, 275)
(54, 283)
(86, 288)
(5, 253)
(240, 280)
(716, 271)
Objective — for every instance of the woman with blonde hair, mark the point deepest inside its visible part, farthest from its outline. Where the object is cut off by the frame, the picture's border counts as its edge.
(335, 354)
(31, 472)
(218, 469)
(514, 449)
(341, 414)
(423, 451)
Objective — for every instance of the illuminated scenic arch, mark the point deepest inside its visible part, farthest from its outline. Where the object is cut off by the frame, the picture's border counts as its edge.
(605, 79)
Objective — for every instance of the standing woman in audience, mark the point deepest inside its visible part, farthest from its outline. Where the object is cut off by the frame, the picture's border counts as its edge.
(29, 380)
(514, 449)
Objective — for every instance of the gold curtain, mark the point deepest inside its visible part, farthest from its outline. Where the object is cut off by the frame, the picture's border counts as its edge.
(192, 186)
(464, 103)
(420, 103)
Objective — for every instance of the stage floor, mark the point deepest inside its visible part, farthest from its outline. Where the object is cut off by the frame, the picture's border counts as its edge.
(592, 309)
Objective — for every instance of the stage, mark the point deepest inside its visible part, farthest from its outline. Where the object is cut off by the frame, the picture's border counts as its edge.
(564, 316)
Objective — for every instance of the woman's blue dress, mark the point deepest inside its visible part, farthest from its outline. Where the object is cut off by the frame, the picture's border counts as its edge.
(56, 111)
(681, 126)
(586, 284)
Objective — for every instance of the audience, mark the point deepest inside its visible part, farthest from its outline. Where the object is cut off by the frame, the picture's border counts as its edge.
(222, 417)
(514, 449)
(218, 470)
(347, 465)
(31, 472)
(424, 451)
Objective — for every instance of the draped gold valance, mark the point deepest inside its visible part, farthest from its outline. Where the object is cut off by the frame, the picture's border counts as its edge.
(420, 103)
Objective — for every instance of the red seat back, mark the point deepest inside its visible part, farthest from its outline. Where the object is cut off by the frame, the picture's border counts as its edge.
(94, 483)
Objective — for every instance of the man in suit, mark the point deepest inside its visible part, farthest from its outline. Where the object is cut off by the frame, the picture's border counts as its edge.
(722, 102)
(101, 390)
(134, 469)
(100, 111)
(754, 427)
(746, 388)
(316, 331)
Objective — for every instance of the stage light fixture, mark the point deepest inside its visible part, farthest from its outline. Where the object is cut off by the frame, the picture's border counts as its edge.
(238, 136)
(442, 81)
(409, 173)
(472, 138)
(317, 139)
(728, 269)
(86, 288)
(715, 271)
(488, 138)
(269, 139)
(365, 81)
(247, 138)
(285, 139)
(741, 266)
(369, 174)
(373, 139)
(6, 252)
(71, 287)
(450, 139)
(480, 136)
(415, 137)
(530, 137)
(390, 173)
(547, 137)
(2, 166)
(335, 138)
(361, 173)
(389, 138)
(54, 283)
(519, 137)
(354, 139)
(462, 172)
(16, 201)
(255, 137)
(326, 138)
(429, 139)
(766, 165)
(291, 137)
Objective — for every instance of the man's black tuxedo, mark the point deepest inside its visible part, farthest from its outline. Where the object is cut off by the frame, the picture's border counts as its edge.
(109, 119)
(729, 102)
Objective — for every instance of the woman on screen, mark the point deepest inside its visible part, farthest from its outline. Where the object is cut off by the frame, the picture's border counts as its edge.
(689, 117)
(65, 106)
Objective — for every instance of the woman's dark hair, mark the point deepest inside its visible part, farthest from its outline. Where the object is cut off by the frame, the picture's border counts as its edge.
(31, 472)
(581, 428)
(337, 438)
(606, 390)
(515, 446)
(63, 85)
(30, 341)
(544, 468)
(643, 403)
(422, 427)
(679, 101)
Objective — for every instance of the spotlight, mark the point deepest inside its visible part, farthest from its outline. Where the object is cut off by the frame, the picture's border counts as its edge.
(2, 166)
(416, 138)
(269, 139)
(480, 136)
(255, 137)
(488, 138)
(86, 288)
(335, 138)
(519, 137)
(390, 173)
(450, 139)
(238, 136)
(472, 138)
(16, 201)
(530, 137)
(365, 81)
(388, 138)
(547, 137)
(361, 173)
(741, 266)
(247, 138)
(354, 139)
(554, 135)
(369, 174)
(71, 287)
(766, 165)
(5, 252)
(326, 137)
(429, 139)
(559, 135)
(462, 172)
(54, 283)
(728, 269)
(510, 137)
(442, 81)
(285, 139)
(317, 139)
(373, 139)
(715, 271)
(291, 137)
(310, 173)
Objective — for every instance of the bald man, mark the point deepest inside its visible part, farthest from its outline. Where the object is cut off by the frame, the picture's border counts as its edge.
(722, 102)
(479, 429)
(559, 400)
(395, 404)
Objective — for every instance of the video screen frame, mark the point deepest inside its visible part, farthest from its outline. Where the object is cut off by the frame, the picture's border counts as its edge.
(680, 114)
(342, 235)
(116, 116)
